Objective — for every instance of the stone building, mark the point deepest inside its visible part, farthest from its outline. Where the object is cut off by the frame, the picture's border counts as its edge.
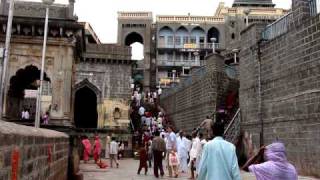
(25, 58)
(228, 22)
(87, 83)
(173, 45)
(279, 84)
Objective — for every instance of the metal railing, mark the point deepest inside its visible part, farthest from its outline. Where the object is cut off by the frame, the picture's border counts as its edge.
(314, 7)
(278, 27)
(232, 131)
(195, 46)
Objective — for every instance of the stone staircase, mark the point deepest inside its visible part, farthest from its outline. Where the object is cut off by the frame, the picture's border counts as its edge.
(232, 131)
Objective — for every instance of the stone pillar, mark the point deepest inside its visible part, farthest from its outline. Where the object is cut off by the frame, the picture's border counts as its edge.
(214, 62)
(71, 8)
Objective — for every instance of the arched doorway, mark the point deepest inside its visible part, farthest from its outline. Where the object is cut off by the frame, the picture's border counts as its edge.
(23, 90)
(213, 33)
(85, 108)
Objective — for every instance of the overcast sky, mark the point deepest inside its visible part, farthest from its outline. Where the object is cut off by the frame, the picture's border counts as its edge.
(102, 14)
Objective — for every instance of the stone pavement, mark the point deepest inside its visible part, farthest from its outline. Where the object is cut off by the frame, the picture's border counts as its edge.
(128, 171)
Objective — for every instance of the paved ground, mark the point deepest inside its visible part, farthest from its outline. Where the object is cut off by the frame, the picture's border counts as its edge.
(128, 171)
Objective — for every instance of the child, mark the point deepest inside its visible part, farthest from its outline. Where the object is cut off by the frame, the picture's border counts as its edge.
(143, 159)
(174, 162)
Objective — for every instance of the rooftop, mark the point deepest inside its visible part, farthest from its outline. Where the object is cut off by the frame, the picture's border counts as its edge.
(261, 3)
(38, 10)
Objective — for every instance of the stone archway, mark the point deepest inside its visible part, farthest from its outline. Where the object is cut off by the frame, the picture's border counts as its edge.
(87, 97)
(24, 79)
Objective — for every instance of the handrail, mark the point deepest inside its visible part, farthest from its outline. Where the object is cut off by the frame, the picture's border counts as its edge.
(278, 27)
(314, 7)
(232, 121)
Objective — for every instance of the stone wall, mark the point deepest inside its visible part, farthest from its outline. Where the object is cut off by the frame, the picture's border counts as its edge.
(290, 89)
(188, 104)
(113, 80)
(29, 153)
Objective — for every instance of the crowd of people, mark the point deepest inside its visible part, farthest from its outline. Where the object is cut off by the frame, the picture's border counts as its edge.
(210, 157)
(114, 150)
(204, 154)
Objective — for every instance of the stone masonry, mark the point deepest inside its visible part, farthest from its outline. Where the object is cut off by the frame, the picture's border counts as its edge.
(290, 88)
(198, 96)
(29, 153)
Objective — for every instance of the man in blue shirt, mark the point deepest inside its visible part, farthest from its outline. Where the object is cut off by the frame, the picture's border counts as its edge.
(219, 160)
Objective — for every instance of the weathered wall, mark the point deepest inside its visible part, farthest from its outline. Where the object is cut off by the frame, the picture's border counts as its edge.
(188, 104)
(290, 89)
(42, 154)
(27, 51)
(113, 81)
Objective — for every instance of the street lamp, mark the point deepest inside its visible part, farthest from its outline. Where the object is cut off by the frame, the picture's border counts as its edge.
(235, 51)
(213, 40)
(247, 12)
(6, 55)
(47, 3)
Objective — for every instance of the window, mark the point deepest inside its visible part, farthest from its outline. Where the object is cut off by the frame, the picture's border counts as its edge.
(161, 41)
(170, 56)
(185, 40)
(186, 70)
(178, 41)
(233, 36)
(193, 40)
(178, 56)
(170, 40)
(185, 56)
(161, 56)
(193, 57)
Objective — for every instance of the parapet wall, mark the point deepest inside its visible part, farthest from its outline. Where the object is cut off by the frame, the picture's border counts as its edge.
(29, 153)
(290, 91)
(198, 96)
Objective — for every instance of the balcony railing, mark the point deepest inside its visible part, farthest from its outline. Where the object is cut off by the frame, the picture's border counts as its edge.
(278, 27)
(193, 19)
(314, 7)
(191, 46)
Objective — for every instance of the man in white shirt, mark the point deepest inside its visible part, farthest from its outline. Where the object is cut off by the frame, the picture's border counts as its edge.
(171, 146)
(23, 114)
(141, 111)
(182, 152)
(193, 153)
(113, 152)
(26, 114)
(203, 141)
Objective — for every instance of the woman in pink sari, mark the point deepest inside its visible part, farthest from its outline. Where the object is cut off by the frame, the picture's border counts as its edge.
(87, 149)
(97, 149)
